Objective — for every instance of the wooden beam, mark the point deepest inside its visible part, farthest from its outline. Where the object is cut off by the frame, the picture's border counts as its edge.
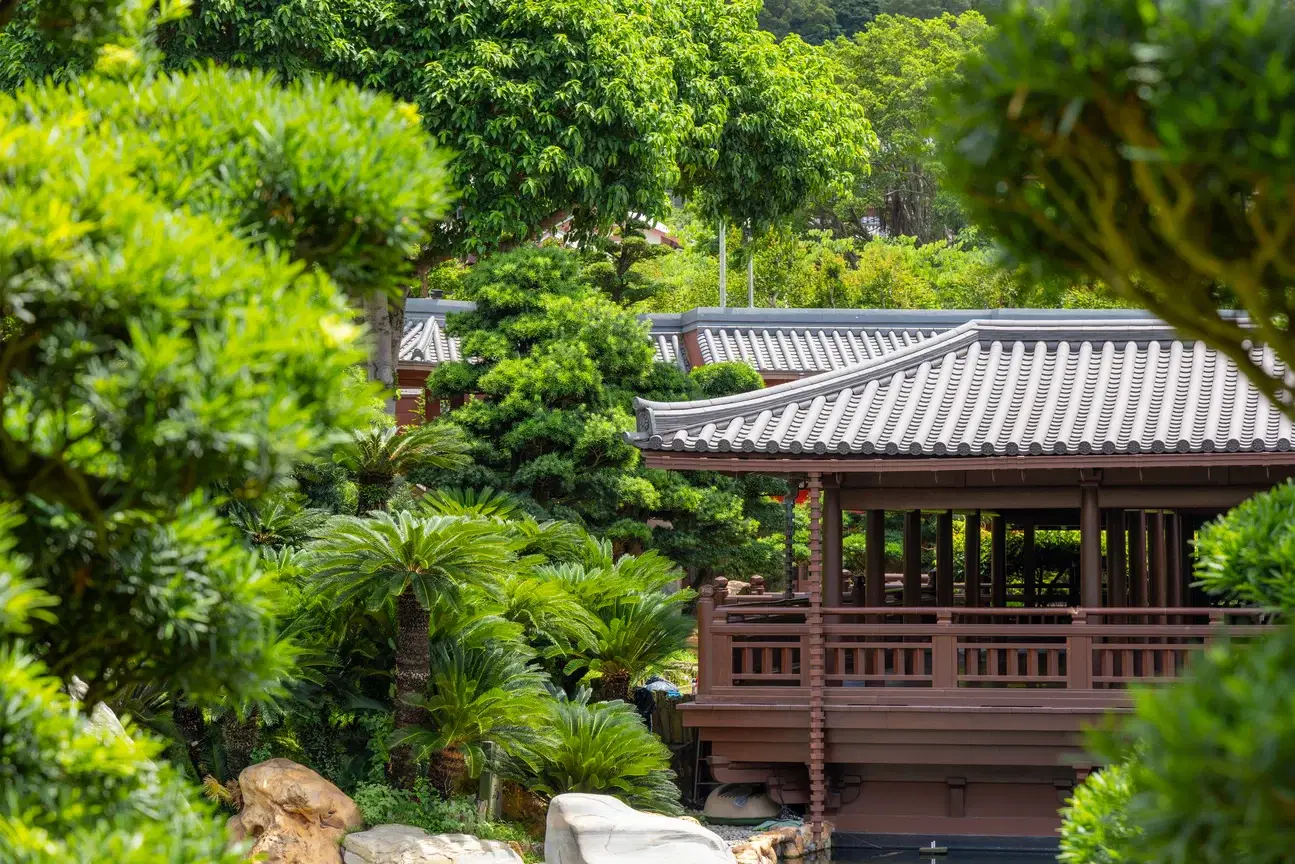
(1023, 497)
(971, 560)
(944, 559)
(1090, 547)
(997, 561)
(876, 552)
(913, 558)
(1139, 594)
(1116, 569)
(833, 586)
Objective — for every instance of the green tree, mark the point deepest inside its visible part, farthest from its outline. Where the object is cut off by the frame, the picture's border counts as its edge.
(812, 20)
(379, 453)
(174, 250)
(476, 698)
(853, 15)
(1145, 145)
(414, 562)
(894, 68)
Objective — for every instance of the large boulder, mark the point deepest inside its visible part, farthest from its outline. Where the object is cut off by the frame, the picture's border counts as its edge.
(598, 829)
(293, 815)
(402, 844)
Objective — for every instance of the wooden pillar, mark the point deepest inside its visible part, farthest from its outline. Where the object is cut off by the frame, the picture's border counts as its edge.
(944, 559)
(971, 560)
(1029, 582)
(876, 552)
(833, 584)
(1174, 559)
(814, 618)
(1116, 569)
(1090, 546)
(913, 558)
(998, 560)
(1137, 527)
(1156, 564)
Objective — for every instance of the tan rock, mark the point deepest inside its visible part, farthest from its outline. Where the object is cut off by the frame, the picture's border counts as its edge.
(293, 815)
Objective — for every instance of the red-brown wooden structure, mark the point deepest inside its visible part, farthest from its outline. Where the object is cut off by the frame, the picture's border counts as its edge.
(953, 702)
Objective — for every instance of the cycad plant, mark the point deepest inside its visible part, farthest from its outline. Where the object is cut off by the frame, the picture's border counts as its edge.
(477, 697)
(640, 627)
(415, 561)
(377, 454)
(599, 747)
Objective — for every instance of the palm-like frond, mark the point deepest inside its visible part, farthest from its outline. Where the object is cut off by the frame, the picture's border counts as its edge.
(638, 634)
(480, 696)
(380, 451)
(600, 747)
(548, 614)
(478, 503)
(277, 521)
(554, 541)
(374, 559)
(474, 623)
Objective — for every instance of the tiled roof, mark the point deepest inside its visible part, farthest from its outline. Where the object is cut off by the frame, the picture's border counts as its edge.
(1007, 387)
(424, 340)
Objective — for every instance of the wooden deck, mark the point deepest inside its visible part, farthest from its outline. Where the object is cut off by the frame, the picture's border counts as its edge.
(929, 717)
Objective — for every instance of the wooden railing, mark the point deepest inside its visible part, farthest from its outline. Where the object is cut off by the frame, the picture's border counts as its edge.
(758, 642)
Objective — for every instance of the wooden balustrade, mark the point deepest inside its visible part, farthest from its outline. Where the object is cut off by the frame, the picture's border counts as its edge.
(755, 642)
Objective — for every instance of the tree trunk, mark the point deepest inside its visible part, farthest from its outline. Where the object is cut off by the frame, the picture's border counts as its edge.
(240, 738)
(413, 671)
(446, 771)
(192, 727)
(614, 685)
(382, 362)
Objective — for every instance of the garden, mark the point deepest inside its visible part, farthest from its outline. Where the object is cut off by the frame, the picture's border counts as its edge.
(218, 552)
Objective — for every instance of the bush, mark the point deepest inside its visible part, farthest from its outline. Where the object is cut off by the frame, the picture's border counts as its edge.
(604, 748)
(725, 379)
(1248, 556)
(1096, 823)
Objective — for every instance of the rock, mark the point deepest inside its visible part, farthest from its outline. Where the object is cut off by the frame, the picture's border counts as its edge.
(599, 829)
(402, 844)
(293, 815)
(740, 803)
(737, 587)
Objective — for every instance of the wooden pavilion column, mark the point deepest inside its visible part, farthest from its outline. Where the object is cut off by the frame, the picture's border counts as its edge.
(913, 558)
(944, 559)
(1137, 527)
(814, 620)
(1116, 569)
(971, 560)
(1090, 545)
(1029, 580)
(997, 561)
(833, 586)
(1174, 559)
(876, 563)
(1156, 564)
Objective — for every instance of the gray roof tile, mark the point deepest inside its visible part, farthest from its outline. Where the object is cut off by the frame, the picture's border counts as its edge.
(1028, 387)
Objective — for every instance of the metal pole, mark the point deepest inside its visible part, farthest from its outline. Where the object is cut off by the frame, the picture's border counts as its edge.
(723, 263)
(750, 267)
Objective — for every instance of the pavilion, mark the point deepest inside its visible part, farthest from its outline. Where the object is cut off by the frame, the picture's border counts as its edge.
(955, 704)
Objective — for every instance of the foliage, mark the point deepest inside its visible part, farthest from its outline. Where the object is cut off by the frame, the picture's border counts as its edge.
(1096, 823)
(1248, 556)
(812, 20)
(603, 748)
(778, 130)
(422, 808)
(611, 263)
(476, 697)
(715, 380)
(376, 454)
(892, 69)
(1146, 145)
